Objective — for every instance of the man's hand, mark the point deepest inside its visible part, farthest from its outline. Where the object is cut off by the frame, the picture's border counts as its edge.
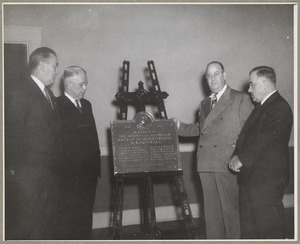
(235, 164)
(177, 121)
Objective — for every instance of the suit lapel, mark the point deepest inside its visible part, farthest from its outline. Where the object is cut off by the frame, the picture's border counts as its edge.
(83, 106)
(220, 106)
(258, 111)
(35, 89)
(68, 103)
(206, 107)
(37, 92)
(70, 106)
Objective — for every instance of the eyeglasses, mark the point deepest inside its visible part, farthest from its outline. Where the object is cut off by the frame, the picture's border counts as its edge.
(80, 85)
(252, 85)
(211, 76)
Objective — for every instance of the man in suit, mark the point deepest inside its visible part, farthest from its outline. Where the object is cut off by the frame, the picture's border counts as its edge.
(221, 117)
(261, 158)
(32, 152)
(82, 165)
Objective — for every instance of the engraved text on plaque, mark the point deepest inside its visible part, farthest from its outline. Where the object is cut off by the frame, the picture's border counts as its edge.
(145, 145)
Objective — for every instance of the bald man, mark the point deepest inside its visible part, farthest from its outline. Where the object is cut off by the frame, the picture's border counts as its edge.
(221, 118)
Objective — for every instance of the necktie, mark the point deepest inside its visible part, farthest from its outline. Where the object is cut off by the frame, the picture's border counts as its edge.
(47, 94)
(213, 100)
(78, 106)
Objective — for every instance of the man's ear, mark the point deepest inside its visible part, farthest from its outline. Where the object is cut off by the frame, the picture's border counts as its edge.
(68, 84)
(224, 75)
(42, 66)
(266, 83)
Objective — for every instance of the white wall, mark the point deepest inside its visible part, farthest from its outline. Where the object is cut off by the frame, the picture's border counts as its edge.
(181, 39)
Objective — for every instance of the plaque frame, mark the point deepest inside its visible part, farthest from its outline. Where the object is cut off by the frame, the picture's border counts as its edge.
(145, 145)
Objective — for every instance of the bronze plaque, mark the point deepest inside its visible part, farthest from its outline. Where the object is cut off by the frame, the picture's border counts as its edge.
(145, 145)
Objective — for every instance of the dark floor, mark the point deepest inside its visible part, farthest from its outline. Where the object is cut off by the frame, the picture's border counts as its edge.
(175, 230)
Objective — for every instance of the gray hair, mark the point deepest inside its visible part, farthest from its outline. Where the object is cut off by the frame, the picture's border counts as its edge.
(72, 71)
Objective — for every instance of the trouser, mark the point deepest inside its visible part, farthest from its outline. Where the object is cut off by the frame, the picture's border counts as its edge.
(31, 198)
(221, 205)
(76, 209)
(262, 212)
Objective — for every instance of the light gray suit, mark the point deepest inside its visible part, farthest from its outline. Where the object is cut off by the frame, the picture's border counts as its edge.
(218, 131)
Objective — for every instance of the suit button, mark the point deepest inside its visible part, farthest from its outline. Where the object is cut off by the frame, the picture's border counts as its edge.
(215, 145)
(200, 146)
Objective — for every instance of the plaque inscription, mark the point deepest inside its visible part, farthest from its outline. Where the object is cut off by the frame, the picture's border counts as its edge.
(145, 145)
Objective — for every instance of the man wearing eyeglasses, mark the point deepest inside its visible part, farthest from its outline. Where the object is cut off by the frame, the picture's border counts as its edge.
(221, 118)
(82, 165)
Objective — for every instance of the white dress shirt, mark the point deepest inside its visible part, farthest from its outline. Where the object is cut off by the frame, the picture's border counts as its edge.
(73, 100)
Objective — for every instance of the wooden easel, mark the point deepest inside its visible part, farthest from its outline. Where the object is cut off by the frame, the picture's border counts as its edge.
(140, 98)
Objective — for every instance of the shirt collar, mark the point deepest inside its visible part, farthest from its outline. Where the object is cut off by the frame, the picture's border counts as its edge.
(39, 83)
(220, 93)
(72, 99)
(265, 99)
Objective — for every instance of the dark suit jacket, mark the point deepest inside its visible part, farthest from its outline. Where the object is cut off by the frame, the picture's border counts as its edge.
(31, 125)
(262, 146)
(33, 149)
(81, 168)
(218, 129)
(80, 136)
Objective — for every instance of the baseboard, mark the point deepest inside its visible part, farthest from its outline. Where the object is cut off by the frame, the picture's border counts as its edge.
(163, 214)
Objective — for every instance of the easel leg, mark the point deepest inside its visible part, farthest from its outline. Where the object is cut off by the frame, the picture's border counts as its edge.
(154, 232)
(186, 210)
(118, 209)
